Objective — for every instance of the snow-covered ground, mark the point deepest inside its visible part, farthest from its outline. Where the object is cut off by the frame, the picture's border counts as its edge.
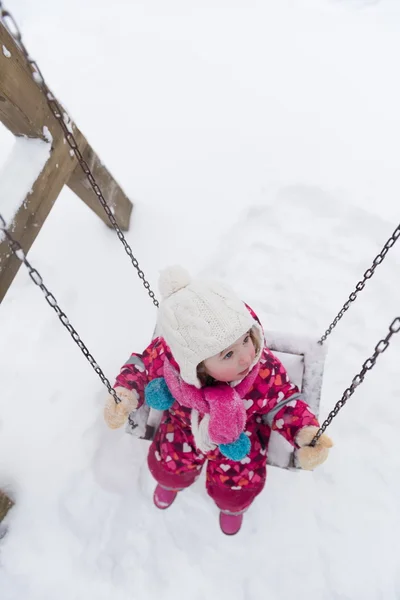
(259, 143)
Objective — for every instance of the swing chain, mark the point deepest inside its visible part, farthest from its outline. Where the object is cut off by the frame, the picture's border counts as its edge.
(51, 300)
(361, 284)
(66, 124)
(359, 378)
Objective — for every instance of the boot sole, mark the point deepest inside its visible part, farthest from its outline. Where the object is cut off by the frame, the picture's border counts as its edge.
(229, 534)
(166, 505)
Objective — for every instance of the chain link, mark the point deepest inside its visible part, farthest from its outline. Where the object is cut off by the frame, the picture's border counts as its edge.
(359, 378)
(51, 300)
(66, 124)
(361, 284)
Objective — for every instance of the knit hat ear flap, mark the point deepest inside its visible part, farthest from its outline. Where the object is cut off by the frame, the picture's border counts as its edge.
(172, 280)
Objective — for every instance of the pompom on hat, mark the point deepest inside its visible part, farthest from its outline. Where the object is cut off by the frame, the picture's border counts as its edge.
(172, 280)
(199, 319)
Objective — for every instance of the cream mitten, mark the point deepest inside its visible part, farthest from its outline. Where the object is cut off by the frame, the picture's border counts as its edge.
(309, 457)
(115, 415)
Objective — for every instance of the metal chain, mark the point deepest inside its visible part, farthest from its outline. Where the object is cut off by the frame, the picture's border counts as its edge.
(359, 378)
(66, 124)
(361, 284)
(37, 280)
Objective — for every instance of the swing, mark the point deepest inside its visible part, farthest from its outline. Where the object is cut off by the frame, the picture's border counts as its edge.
(303, 358)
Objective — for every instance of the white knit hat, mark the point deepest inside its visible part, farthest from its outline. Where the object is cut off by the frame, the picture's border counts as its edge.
(199, 319)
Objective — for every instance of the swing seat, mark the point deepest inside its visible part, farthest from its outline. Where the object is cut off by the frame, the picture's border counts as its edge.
(303, 359)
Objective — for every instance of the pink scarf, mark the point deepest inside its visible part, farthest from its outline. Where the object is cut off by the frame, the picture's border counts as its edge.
(222, 402)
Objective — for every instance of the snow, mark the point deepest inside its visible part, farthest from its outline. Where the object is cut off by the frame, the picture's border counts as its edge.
(68, 122)
(37, 77)
(21, 254)
(6, 144)
(21, 169)
(259, 143)
(6, 52)
(47, 134)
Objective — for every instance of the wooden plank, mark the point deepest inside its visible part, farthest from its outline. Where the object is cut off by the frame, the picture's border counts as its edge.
(119, 203)
(5, 504)
(34, 210)
(23, 107)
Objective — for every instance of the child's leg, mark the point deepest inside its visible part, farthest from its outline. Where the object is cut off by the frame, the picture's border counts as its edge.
(234, 485)
(173, 460)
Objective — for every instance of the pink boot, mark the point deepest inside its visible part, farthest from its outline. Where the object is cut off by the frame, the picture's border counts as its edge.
(229, 523)
(163, 498)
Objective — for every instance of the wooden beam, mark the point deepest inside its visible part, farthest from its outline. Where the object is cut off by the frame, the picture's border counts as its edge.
(119, 203)
(5, 504)
(23, 107)
(34, 210)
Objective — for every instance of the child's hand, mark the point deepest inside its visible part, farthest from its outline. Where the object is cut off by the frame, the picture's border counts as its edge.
(115, 415)
(309, 457)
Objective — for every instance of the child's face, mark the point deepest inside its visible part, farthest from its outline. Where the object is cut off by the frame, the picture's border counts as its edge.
(234, 362)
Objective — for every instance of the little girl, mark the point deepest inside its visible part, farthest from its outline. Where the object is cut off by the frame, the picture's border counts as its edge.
(222, 391)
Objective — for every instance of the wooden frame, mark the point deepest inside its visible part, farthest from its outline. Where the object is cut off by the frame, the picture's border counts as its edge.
(25, 112)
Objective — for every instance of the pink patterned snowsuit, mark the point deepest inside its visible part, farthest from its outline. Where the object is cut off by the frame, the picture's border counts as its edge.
(173, 458)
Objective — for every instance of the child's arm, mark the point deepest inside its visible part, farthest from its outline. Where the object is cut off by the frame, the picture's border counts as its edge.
(285, 408)
(135, 374)
(288, 414)
(139, 369)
